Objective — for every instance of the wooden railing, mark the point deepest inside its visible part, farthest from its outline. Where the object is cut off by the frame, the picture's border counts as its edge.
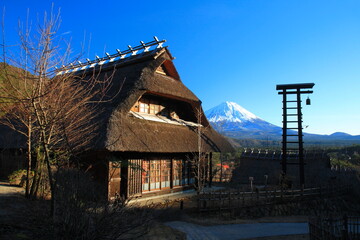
(230, 200)
(341, 228)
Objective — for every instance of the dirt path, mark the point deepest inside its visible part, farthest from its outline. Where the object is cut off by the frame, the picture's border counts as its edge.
(241, 231)
(9, 199)
(19, 219)
(12, 204)
(6, 189)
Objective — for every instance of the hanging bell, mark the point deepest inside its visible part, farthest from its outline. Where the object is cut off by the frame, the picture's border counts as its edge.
(308, 102)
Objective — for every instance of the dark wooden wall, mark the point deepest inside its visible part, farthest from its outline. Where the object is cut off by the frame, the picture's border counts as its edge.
(317, 169)
(11, 160)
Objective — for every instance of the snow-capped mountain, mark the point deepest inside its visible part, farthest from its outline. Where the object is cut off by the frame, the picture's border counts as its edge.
(230, 111)
(232, 120)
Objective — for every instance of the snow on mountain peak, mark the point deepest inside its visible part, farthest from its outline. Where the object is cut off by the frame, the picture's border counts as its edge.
(230, 111)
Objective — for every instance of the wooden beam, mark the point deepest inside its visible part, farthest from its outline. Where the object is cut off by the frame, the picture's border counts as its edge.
(294, 86)
(295, 92)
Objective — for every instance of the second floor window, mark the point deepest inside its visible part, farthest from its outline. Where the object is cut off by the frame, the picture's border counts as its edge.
(160, 106)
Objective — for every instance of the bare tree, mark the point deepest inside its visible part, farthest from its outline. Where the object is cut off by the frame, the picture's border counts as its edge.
(199, 159)
(56, 112)
(15, 105)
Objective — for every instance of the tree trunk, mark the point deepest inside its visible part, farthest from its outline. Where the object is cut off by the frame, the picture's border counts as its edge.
(51, 180)
(37, 179)
(27, 190)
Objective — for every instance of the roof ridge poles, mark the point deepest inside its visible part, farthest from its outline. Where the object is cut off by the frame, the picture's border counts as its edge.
(131, 51)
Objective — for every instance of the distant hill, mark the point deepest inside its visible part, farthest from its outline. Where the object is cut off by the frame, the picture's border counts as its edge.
(340, 134)
(232, 120)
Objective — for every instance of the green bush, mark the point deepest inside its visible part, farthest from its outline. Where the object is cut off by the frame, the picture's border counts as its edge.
(18, 177)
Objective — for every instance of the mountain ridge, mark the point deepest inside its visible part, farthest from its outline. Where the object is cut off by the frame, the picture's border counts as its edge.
(233, 120)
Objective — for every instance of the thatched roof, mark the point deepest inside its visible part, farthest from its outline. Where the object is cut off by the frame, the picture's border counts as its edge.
(124, 132)
(137, 75)
(119, 130)
(128, 133)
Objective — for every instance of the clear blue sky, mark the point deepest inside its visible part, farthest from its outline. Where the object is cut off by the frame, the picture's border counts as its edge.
(232, 50)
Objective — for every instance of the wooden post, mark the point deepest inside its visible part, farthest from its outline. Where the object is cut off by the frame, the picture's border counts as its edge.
(275, 194)
(300, 139)
(220, 202)
(199, 204)
(284, 147)
(320, 192)
(172, 173)
(266, 180)
(229, 201)
(302, 192)
(211, 169)
(345, 231)
(243, 198)
(251, 179)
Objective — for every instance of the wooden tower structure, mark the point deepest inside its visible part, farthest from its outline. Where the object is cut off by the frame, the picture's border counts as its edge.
(292, 136)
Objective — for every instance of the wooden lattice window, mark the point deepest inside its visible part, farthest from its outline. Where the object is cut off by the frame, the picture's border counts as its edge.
(185, 172)
(144, 107)
(154, 107)
(145, 175)
(177, 172)
(165, 173)
(148, 106)
(155, 174)
(182, 172)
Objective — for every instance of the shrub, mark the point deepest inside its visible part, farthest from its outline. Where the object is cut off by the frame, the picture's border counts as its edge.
(18, 177)
(83, 212)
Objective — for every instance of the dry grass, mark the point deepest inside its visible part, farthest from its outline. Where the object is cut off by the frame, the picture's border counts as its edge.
(21, 218)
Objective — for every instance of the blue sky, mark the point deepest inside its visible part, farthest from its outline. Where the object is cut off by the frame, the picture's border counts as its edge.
(231, 50)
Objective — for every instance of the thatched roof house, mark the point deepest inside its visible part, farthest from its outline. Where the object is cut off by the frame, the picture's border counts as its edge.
(152, 128)
(153, 123)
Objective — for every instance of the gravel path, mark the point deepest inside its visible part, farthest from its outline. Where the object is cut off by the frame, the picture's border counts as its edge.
(7, 190)
(238, 231)
(7, 195)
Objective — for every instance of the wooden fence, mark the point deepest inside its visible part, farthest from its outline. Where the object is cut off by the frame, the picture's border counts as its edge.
(230, 200)
(345, 228)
